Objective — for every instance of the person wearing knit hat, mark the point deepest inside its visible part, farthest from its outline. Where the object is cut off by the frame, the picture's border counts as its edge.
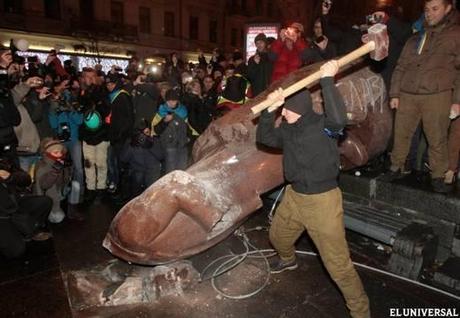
(312, 200)
(290, 51)
(172, 126)
(52, 176)
(260, 66)
(299, 103)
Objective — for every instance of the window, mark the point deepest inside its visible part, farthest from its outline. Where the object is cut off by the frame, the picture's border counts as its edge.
(243, 5)
(52, 9)
(87, 10)
(144, 20)
(259, 7)
(12, 6)
(213, 31)
(233, 37)
(116, 12)
(270, 8)
(233, 6)
(169, 23)
(193, 28)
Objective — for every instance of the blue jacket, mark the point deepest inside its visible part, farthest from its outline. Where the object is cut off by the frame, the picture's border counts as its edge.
(180, 111)
(73, 118)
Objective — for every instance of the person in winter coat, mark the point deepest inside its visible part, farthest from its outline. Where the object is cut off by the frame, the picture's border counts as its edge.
(260, 67)
(235, 90)
(22, 217)
(199, 115)
(65, 120)
(321, 44)
(171, 125)
(120, 129)
(337, 28)
(145, 101)
(313, 200)
(38, 107)
(9, 114)
(173, 69)
(93, 133)
(399, 32)
(26, 132)
(425, 87)
(143, 156)
(52, 176)
(210, 94)
(289, 52)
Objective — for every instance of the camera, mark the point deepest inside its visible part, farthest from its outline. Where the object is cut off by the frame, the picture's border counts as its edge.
(319, 39)
(64, 132)
(373, 19)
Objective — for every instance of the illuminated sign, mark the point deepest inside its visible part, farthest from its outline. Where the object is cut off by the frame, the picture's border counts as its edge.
(270, 30)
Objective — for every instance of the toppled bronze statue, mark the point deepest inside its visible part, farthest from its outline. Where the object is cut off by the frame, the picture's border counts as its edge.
(186, 212)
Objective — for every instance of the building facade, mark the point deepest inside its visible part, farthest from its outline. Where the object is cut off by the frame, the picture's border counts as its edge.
(150, 29)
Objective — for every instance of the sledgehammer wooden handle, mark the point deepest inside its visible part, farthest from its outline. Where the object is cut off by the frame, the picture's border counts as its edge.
(350, 57)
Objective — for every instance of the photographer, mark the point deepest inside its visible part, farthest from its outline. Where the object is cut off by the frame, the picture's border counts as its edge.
(65, 119)
(54, 65)
(21, 216)
(34, 67)
(26, 131)
(142, 156)
(259, 66)
(9, 114)
(93, 132)
(337, 28)
(289, 52)
(321, 44)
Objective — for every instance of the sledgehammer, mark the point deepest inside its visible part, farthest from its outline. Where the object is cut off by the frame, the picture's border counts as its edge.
(377, 46)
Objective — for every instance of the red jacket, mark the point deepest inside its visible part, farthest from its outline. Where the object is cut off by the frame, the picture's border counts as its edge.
(287, 60)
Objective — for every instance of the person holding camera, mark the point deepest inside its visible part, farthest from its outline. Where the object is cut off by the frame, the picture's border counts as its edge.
(321, 44)
(290, 51)
(26, 131)
(337, 28)
(142, 156)
(54, 65)
(22, 216)
(260, 67)
(9, 114)
(65, 119)
(94, 132)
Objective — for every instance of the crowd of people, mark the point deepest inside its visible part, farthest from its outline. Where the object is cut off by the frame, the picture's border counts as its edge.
(78, 134)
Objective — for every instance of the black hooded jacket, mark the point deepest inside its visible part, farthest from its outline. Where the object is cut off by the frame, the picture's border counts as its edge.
(9, 115)
(310, 156)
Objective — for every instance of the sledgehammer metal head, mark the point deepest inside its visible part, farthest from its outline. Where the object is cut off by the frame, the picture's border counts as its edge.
(379, 35)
